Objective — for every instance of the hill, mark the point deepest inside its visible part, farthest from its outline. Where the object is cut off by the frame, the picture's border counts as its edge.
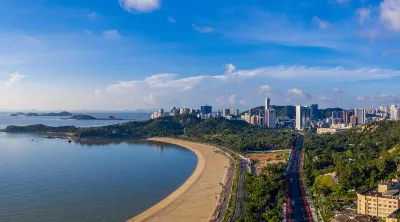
(326, 113)
(57, 114)
(281, 111)
(290, 111)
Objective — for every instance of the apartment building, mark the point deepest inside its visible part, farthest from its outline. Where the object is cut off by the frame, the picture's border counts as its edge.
(381, 201)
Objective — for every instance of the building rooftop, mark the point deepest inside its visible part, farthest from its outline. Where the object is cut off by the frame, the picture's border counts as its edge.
(392, 192)
(346, 218)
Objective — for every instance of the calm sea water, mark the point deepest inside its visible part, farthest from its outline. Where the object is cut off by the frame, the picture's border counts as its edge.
(6, 119)
(51, 180)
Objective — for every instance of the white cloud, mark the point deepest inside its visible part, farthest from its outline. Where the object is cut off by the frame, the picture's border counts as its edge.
(384, 98)
(337, 90)
(14, 79)
(267, 90)
(390, 13)
(363, 15)
(320, 23)
(171, 19)
(298, 93)
(320, 73)
(157, 82)
(325, 98)
(202, 29)
(140, 5)
(220, 100)
(360, 98)
(232, 99)
(150, 99)
(243, 102)
(93, 15)
(111, 34)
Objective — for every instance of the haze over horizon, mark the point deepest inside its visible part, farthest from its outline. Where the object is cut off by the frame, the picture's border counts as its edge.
(147, 54)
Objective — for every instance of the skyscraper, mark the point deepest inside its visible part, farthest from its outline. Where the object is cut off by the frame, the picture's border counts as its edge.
(393, 108)
(267, 102)
(313, 111)
(353, 120)
(206, 109)
(302, 116)
(270, 114)
(346, 116)
(361, 116)
(270, 118)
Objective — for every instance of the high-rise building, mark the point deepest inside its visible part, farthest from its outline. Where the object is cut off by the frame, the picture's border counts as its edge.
(234, 112)
(270, 118)
(173, 112)
(393, 108)
(346, 116)
(158, 114)
(270, 114)
(385, 109)
(396, 114)
(313, 111)
(302, 116)
(336, 114)
(353, 120)
(361, 116)
(226, 112)
(267, 103)
(206, 109)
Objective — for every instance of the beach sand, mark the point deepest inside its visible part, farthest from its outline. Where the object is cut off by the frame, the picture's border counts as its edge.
(195, 200)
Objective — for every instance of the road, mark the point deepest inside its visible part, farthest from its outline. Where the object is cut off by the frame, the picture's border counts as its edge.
(243, 168)
(295, 191)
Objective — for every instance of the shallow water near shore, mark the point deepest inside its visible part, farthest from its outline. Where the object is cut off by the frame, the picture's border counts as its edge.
(51, 180)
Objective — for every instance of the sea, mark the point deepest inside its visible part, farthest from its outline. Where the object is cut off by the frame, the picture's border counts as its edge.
(45, 179)
(6, 119)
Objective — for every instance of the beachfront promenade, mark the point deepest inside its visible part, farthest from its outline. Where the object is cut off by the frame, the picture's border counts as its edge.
(197, 198)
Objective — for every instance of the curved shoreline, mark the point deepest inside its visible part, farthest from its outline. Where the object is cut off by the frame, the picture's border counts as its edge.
(196, 198)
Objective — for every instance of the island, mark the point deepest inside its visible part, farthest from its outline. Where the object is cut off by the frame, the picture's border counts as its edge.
(43, 114)
(89, 117)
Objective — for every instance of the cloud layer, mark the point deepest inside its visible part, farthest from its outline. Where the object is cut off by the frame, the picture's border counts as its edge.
(14, 79)
(140, 5)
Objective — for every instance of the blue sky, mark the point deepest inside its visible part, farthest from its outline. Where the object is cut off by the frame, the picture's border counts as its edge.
(145, 54)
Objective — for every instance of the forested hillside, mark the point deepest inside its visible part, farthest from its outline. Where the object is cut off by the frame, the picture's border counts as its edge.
(359, 158)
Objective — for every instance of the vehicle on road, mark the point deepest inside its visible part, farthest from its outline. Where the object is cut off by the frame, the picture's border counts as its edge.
(291, 180)
(293, 204)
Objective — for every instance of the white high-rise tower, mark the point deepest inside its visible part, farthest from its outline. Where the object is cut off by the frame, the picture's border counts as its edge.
(270, 114)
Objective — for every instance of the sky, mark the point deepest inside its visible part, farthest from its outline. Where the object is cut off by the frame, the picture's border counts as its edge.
(147, 54)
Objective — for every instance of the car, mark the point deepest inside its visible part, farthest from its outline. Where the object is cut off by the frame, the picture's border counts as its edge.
(293, 204)
(291, 180)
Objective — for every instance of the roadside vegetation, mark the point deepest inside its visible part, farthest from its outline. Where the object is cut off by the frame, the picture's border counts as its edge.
(230, 212)
(264, 195)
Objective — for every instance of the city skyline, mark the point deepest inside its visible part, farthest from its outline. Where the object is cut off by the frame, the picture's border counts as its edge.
(147, 54)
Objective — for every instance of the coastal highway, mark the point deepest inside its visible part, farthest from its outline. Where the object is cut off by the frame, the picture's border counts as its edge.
(297, 209)
(243, 168)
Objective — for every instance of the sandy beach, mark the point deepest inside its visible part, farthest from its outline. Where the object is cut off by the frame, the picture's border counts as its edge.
(195, 200)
